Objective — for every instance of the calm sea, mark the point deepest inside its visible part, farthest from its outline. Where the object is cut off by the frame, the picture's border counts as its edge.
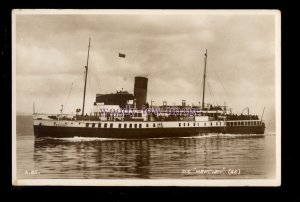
(202, 157)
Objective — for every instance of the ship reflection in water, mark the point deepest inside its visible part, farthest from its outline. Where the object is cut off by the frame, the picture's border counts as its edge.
(176, 158)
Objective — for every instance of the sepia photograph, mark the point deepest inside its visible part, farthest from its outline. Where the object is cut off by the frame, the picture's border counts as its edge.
(146, 97)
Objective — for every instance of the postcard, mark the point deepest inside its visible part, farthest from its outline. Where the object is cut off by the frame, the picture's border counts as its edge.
(146, 97)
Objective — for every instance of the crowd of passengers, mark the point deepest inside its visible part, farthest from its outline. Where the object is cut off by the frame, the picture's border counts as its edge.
(163, 118)
(241, 117)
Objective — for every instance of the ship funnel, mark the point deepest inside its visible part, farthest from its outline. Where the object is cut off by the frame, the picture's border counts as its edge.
(140, 91)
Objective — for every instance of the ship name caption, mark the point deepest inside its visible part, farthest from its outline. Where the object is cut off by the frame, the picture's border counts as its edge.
(223, 171)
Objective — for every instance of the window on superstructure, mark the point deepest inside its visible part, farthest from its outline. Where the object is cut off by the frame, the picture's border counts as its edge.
(217, 123)
(86, 125)
(120, 125)
(210, 123)
(242, 123)
(188, 124)
(154, 125)
(99, 125)
(130, 125)
(93, 125)
(135, 125)
(147, 125)
(125, 125)
(179, 124)
(140, 125)
(111, 125)
(183, 124)
(105, 125)
(205, 124)
(194, 124)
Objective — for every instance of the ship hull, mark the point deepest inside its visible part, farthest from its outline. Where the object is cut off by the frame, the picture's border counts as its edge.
(65, 132)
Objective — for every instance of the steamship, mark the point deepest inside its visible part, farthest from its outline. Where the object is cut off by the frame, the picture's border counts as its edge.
(126, 115)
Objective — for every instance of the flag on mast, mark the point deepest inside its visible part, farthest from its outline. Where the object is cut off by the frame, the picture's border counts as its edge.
(122, 55)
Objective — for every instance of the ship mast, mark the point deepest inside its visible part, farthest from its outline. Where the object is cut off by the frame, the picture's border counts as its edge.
(204, 76)
(86, 73)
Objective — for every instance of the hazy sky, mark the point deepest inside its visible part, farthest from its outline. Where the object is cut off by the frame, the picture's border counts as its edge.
(51, 52)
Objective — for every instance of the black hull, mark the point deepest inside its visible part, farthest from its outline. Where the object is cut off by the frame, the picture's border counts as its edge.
(64, 132)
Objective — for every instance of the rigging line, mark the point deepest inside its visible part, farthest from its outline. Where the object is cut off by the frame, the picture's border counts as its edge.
(170, 54)
(225, 91)
(93, 71)
(145, 52)
(209, 91)
(212, 94)
(66, 101)
(215, 97)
